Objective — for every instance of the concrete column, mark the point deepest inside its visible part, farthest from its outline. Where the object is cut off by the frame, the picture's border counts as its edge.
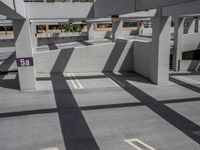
(24, 54)
(190, 27)
(90, 30)
(178, 39)
(34, 36)
(160, 51)
(117, 28)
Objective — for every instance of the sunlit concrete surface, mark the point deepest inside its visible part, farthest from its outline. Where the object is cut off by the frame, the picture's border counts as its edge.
(108, 109)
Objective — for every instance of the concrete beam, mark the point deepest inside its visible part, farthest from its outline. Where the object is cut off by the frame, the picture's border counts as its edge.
(152, 4)
(183, 9)
(118, 7)
(58, 10)
(13, 9)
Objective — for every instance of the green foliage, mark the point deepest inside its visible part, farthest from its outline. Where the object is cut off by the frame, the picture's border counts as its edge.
(72, 28)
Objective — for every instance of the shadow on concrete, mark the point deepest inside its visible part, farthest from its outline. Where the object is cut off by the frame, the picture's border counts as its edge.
(115, 56)
(185, 74)
(194, 66)
(186, 85)
(8, 83)
(52, 46)
(174, 118)
(76, 132)
(85, 43)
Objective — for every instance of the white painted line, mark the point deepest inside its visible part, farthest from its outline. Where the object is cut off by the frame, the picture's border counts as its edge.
(115, 80)
(131, 142)
(77, 81)
(189, 80)
(69, 75)
(112, 80)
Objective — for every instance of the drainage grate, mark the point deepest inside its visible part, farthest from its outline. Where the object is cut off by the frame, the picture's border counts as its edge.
(139, 145)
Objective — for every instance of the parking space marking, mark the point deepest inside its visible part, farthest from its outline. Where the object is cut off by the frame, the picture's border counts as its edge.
(189, 80)
(77, 81)
(114, 80)
(69, 75)
(138, 144)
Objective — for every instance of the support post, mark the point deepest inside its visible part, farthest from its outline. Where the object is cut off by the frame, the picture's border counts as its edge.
(24, 54)
(34, 36)
(90, 30)
(160, 52)
(117, 28)
(178, 39)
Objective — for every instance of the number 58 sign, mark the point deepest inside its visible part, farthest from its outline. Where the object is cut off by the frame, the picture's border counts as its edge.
(24, 62)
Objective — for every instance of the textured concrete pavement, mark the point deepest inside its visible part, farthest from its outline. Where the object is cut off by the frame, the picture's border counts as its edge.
(108, 109)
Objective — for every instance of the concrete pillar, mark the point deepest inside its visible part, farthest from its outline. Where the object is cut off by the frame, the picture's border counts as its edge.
(117, 28)
(90, 30)
(189, 27)
(24, 54)
(34, 36)
(178, 39)
(160, 51)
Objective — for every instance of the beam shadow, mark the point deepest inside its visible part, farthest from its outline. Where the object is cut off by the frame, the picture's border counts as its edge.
(89, 108)
(12, 83)
(185, 74)
(186, 85)
(174, 118)
(76, 132)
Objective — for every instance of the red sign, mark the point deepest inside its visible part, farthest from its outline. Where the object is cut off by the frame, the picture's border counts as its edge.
(24, 62)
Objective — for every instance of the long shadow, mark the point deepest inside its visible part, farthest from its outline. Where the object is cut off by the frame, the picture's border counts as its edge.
(76, 132)
(96, 107)
(186, 85)
(174, 118)
(8, 83)
(185, 74)
(85, 43)
(114, 56)
(52, 46)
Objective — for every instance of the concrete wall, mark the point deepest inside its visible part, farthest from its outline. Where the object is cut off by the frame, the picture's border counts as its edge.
(49, 38)
(141, 58)
(190, 65)
(96, 58)
(113, 7)
(191, 42)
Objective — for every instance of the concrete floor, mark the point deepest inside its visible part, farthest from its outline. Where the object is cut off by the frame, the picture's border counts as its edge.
(97, 111)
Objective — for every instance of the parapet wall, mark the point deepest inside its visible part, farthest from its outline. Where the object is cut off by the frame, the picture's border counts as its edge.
(109, 57)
